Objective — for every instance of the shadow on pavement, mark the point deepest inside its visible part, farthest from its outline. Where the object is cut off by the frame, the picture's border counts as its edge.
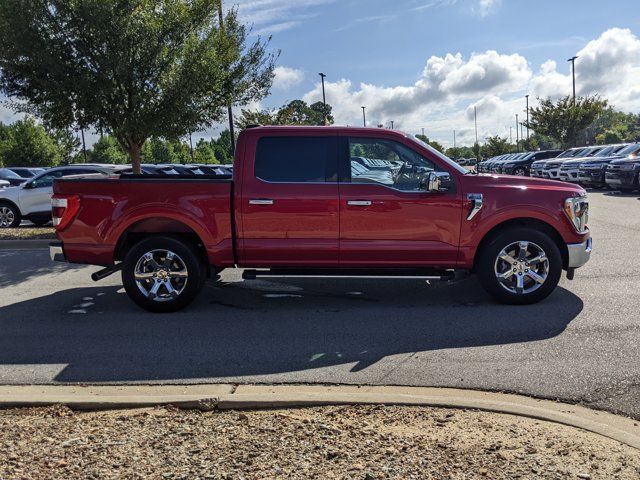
(29, 269)
(257, 327)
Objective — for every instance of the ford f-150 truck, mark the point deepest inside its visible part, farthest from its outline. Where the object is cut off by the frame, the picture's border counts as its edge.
(306, 201)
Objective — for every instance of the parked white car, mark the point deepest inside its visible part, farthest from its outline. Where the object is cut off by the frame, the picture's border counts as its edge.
(32, 200)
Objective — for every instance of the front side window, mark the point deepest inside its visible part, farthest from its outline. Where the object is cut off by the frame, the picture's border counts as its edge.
(388, 163)
(297, 159)
(47, 179)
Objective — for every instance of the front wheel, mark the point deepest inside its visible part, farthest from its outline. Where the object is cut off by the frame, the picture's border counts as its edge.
(520, 172)
(162, 274)
(520, 266)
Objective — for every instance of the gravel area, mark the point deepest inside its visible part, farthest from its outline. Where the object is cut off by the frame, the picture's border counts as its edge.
(368, 442)
(27, 233)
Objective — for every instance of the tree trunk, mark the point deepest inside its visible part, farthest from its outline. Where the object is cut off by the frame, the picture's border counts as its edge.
(134, 155)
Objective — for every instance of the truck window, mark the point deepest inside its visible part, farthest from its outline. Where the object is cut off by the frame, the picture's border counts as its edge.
(297, 159)
(402, 168)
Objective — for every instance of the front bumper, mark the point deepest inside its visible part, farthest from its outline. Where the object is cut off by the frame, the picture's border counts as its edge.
(622, 178)
(56, 252)
(579, 253)
(568, 175)
(591, 177)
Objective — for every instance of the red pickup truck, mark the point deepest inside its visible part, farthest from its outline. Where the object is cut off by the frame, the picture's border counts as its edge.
(321, 202)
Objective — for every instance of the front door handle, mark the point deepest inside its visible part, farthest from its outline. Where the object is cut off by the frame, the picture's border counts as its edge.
(260, 201)
(359, 203)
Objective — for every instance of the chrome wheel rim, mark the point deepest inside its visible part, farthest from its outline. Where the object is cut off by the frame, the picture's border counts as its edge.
(7, 217)
(522, 267)
(161, 275)
(520, 172)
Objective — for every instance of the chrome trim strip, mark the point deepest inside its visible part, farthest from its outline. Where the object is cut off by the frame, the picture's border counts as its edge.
(477, 200)
(260, 201)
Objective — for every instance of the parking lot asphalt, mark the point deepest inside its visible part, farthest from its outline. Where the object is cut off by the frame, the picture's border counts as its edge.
(580, 345)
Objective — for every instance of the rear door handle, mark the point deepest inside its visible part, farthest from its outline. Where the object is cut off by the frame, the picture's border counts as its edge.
(359, 203)
(260, 201)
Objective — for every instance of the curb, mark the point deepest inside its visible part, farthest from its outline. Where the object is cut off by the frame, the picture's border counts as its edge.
(230, 397)
(25, 244)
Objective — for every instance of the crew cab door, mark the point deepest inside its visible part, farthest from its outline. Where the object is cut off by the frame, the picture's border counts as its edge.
(387, 217)
(289, 200)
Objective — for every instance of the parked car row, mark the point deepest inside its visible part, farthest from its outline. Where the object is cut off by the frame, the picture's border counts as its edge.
(615, 166)
(515, 163)
(29, 198)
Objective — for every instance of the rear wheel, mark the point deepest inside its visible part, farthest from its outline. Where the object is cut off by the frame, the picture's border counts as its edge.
(9, 216)
(520, 266)
(162, 274)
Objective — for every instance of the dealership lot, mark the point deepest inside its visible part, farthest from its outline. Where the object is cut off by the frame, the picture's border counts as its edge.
(579, 345)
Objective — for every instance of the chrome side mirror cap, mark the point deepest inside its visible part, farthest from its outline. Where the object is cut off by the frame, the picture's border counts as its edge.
(439, 182)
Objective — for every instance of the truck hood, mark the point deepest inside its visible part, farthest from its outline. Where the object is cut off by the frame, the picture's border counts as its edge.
(485, 182)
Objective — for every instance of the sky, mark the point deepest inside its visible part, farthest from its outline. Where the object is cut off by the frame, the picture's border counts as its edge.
(425, 64)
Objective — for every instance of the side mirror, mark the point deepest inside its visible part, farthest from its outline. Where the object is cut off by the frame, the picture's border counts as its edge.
(27, 185)
(439, 182)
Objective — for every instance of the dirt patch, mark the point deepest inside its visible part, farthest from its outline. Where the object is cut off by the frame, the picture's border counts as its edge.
(27, 233)
(366, 442)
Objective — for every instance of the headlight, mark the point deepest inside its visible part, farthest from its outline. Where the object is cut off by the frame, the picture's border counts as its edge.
(577, 210)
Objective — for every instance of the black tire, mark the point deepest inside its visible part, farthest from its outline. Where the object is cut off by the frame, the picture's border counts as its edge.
(520, 172)
(185, 256)
(10, 216)
(488, 265)
(41, 222)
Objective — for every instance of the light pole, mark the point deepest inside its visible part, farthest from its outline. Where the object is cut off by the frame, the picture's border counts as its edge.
(191, 145)
(527, 97)
(573, 72)
(517, 138)
(84, 145)
(475, 119)
(510, 134)
(391, 124)
(364, 116)
(324, 98)
(454, 145)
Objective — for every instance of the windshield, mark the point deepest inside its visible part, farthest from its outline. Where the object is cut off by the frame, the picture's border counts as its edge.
(5, 173)
(441, 156)
(629, 149)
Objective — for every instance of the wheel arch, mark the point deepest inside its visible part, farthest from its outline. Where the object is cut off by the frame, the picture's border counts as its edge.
(159, 227)
(6, 201)
(524, 222)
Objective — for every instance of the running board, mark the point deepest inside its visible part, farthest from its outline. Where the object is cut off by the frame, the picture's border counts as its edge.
(389, 274)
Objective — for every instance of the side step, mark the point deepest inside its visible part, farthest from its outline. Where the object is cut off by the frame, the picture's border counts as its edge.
(401, 274)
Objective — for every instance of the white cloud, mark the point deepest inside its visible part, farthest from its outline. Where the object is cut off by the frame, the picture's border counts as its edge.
(485, 7)
(442, 98)
(286, 77)
(273, 16)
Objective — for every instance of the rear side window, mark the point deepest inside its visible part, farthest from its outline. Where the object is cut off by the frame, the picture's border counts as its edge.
(297, 159)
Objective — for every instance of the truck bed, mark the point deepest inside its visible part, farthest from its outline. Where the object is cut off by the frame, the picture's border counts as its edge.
(114, 208)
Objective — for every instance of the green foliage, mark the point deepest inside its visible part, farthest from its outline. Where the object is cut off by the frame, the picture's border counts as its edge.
(68, 144)
(138, 68)
(459, 152)
(495, 146)
(107, 150)
(432, 143)
(205, 153)
(27, 144)
(563, 120)
(296, 112)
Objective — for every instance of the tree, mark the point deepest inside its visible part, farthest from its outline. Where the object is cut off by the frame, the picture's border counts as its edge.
(432, 143)
(67, 143)
(27, 144)
(138, 68)
(107, 150)
(205, 153)
(296, 112)
(496, 145)
(563, 120)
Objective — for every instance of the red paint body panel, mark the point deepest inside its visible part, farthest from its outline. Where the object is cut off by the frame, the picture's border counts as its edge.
(309, 224)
